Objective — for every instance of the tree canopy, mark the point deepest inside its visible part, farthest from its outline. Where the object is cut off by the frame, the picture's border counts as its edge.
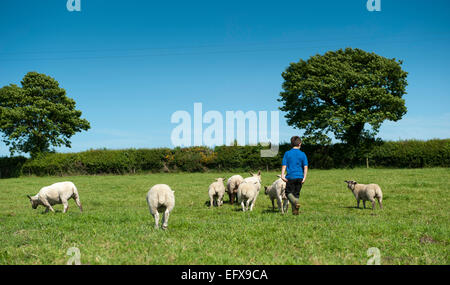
(38, 115)
(343, 92)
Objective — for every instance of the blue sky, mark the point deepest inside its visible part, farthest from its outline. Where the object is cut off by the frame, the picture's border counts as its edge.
(130, 64)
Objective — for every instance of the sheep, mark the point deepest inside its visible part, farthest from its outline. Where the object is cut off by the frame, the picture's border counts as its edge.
(57, 193)
(216, 192)
(277, 191)
(254, 178)
(248, 191)
(161, 199)
(232, 187)
(366, 193)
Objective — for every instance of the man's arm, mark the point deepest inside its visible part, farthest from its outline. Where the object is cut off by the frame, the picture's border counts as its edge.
(283, 173)
(305, 172)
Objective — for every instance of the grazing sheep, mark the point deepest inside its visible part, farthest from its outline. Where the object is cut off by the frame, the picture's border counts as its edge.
(254, 178)
(58, 193)
(161, 199)
(366, 193)
(277, 192)
(232, 187)
(248, 191)
(216, 192)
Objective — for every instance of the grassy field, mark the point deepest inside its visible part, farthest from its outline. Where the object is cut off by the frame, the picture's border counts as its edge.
(116, 227)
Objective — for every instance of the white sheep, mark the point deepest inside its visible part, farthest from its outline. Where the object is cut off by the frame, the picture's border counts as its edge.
(248, 191)
(276, 191)
(366, 192)
(216, 192)
(254, 178)
(161, 199)
(58, 193)
(232, 187)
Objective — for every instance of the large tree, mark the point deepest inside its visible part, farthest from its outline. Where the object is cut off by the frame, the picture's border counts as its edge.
(348, 93)
(38, 115)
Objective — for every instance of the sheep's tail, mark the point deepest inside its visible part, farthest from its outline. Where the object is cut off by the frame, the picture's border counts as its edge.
(76, 196)
(161, 199)
(378, 193)
(379, 196)
(75, 192)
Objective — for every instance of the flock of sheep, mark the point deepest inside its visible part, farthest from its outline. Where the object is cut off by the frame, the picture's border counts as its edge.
(161, 199)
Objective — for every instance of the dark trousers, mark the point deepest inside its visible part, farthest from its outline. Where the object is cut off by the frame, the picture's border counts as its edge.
(293, 186)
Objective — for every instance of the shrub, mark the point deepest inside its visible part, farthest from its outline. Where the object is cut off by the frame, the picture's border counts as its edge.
(11, 166)
(401, 154)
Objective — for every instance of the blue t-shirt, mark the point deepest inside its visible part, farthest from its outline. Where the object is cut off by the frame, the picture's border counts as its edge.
(294, 160)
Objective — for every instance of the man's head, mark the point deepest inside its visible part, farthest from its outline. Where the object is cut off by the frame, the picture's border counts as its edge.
(296, 141)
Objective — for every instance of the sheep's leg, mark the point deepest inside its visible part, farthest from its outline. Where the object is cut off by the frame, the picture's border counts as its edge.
(373, 204)
(273, 205)
(66, 205)
(280, 207)
(380, 203)
(47, 204)
(211, 201)
(357, 203)
(243, 206)
(248, 204)
(156, 216)
(46, 209)
(364, 203)
(220, 200)
(235, 194)
(165, 220)
(252, 204)
(78, 202)
(285, 205)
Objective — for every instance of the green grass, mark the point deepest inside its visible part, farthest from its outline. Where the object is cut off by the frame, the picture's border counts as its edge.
(117, 228)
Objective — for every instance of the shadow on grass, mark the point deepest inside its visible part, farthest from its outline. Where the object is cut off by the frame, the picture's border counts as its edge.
(50, 212)
(225, 202)
(352, 207)
(270, 211)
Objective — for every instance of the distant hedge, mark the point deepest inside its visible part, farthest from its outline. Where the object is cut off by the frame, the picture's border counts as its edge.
(412, 154)
(401, 154)
(11, 166)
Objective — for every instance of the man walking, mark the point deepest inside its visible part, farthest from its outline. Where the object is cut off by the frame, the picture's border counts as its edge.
(295, 163)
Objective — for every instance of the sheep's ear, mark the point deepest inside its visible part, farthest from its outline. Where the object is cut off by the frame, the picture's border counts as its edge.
(29, 197)
(279, 176)
(259, 172)
(251, 174)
